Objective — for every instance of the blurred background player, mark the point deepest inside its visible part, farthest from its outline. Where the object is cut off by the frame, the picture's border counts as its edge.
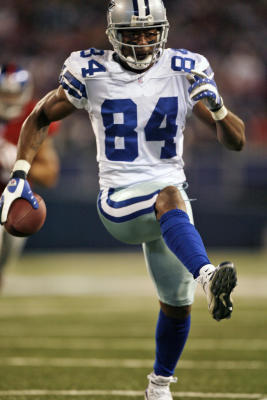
(16, 103)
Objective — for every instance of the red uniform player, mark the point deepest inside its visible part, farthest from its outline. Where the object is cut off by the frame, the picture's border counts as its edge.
(16, 103)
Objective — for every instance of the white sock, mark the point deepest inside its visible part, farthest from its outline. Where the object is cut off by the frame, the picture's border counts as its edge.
(204, 273)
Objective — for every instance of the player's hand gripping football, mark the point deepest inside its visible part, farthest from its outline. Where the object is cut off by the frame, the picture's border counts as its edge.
(205, 89)
(17, 187)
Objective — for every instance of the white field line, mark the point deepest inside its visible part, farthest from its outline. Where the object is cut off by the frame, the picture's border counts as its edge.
(125, 344)
(128, 393)
(77, 285)
(17, 330)
(128, 363)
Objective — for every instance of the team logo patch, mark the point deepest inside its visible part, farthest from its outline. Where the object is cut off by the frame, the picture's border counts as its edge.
(12, 183)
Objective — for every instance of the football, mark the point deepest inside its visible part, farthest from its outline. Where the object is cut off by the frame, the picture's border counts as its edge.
(23, 219)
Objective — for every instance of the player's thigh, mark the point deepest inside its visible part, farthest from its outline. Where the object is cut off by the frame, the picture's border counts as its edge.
(129, 213)
(174, 283)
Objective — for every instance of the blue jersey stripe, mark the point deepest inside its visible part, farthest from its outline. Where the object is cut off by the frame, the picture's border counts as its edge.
(135, 7)
(76, 83)
(147, 7)
(70, 90)
(126, 217)
(128, 202)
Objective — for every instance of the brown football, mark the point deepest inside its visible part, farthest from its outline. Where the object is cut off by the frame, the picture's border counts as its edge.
(23, 219)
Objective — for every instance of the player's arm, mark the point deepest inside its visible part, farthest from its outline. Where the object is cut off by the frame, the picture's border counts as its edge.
(53, 107)
(45, 167)
(230, 129)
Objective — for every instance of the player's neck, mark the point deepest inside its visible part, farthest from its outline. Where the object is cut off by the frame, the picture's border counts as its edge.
(126, 66)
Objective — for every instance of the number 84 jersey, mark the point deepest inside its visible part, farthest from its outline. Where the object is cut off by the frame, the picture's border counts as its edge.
(138, 118)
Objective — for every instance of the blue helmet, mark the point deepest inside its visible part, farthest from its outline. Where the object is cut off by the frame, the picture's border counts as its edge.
(16, 89)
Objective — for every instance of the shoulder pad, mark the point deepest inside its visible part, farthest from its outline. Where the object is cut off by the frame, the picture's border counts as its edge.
(185, 60)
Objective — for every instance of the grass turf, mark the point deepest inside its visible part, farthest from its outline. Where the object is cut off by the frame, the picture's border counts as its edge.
(37, 332)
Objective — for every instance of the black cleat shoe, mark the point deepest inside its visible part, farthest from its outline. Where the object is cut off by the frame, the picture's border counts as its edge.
(218, 290)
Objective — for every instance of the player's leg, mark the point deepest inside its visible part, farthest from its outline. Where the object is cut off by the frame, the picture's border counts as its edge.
(5, 251)
(10, 250)
(1, 253)
(175, 286)
(128, 214)
(185, 242)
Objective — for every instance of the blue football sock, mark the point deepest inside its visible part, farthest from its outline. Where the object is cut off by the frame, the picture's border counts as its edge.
(183, 240)
(171, 336)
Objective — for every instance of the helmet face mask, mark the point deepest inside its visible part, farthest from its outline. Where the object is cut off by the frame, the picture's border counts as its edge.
(141, 15)
(16, 89)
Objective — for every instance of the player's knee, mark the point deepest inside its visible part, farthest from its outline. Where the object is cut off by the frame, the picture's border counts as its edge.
(168, 199)
(176, 312)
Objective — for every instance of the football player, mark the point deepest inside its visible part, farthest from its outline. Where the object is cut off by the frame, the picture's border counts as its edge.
(16, 103)
(138, 98)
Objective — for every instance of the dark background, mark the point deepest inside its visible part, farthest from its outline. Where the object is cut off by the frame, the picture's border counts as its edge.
(230, 187)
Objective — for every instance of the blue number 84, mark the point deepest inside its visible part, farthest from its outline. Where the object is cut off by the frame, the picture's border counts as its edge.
(166, 110)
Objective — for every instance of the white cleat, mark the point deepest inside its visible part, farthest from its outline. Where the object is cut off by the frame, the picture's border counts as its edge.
(159, 387)
(218, 285)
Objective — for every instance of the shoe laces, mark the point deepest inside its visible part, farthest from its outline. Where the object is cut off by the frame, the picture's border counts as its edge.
(205, 276)
(159, 387)
(159, 380)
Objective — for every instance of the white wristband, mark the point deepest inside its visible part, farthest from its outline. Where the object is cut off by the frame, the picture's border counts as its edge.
(22, 165)
(220, 114)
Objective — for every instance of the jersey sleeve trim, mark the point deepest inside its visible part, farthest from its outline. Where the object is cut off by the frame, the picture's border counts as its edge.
(209, 72)
(72, 85)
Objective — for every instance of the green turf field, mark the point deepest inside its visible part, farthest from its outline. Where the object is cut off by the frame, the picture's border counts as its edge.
(81, 326)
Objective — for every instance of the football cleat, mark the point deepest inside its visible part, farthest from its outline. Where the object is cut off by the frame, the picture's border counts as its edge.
(218, 286)
(159, 387)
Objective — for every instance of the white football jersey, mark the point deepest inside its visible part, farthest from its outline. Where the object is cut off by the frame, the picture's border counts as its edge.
(138, 118)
